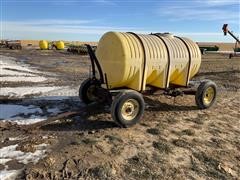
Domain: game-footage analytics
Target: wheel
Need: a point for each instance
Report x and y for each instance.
(206, 94)
(86, 91)
(127, 108)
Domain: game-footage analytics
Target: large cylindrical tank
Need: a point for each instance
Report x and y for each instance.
(60, 45)
(136, 60)
(43, 44)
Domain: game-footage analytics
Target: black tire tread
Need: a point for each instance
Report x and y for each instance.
(83, 91)
(200, 91)
(118, 100)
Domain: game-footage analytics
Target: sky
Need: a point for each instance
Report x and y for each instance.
(88, 20)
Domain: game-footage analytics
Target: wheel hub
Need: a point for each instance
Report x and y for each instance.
(208, 95)
(130, 109)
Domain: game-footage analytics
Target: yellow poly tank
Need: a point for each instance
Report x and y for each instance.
(136, 60)
(43, 45)
(60, 45)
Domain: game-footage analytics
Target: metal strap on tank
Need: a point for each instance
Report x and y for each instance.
(169, 59)
(144, 57)
(190, 58)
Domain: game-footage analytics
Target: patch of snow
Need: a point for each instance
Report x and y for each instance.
(21, 121)
(33, 157)
(16, 113)
(54, 111)
(9, 111)
(9, 174)
(12, 71)
(23, 91)
(4, 161)
(10, 153)
(16, 68)
(15, 138)
(24, 115)
(6, 58)
(23, 79)
(11, 63)
(44, 137)
(44, 92)
(54, 98)
(64, 91)
(7, 72)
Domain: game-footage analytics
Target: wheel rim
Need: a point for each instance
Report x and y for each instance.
(130, 109)
(90, 91)
(208, 95)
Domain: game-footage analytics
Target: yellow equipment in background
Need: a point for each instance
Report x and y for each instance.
(59, 45)
(134, 61)
(43, 44)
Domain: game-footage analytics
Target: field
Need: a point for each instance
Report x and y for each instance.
(174, 140)
(222, 46)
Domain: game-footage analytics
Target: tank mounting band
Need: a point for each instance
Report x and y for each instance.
(190, 58)
(169, 59)
(144, 58)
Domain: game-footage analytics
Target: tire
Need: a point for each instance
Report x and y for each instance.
(206, 94)
(86, 91)
(127, 108)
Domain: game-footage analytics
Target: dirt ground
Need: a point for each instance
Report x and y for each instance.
(174, 140)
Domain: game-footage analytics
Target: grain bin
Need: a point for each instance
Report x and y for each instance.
(130, 65)
(60, 45)
(43, 44)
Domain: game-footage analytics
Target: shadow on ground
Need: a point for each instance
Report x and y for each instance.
(93, 117)
(155, 105)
